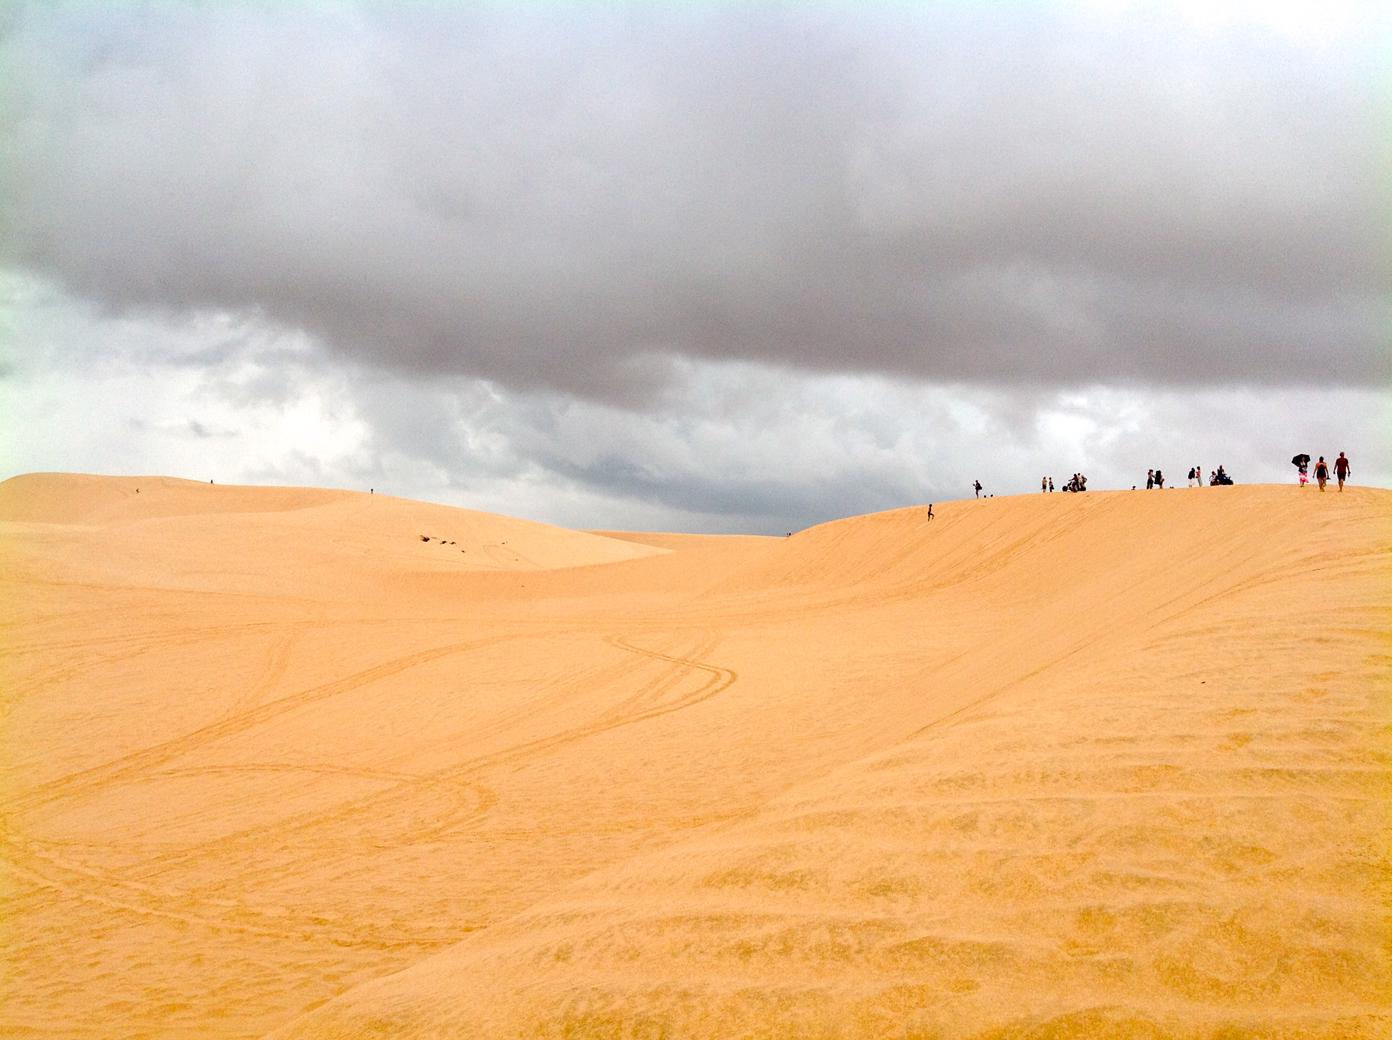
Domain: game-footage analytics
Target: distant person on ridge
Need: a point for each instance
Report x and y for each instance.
(930, 510)
(1341, 469)
(1044, 484)
(1051, 483)
(1149, 479)
(1322, 472)
(1159, 479)
(977, 485)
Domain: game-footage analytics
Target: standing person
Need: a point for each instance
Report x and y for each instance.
(1149, 479)
(1322, 472)
(1044, 484)
(1341, 469)
(1301, 463)
(976, 485)
(1051, 483)
(1192, 471)
(1159, 479)
(1198, 476)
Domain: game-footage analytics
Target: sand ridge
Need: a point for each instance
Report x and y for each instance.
(1111, 764)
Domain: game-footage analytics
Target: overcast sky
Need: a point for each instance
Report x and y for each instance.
(697, 266)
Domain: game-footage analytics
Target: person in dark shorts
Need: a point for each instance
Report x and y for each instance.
(1149, 479)
(930, 510)
(977, 485)
(1341, 469)
(1321, 472)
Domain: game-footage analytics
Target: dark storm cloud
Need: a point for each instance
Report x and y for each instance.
(577, 199)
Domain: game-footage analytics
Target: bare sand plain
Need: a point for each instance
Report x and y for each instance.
(1103, 765)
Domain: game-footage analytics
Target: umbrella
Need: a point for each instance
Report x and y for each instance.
(1300, 460)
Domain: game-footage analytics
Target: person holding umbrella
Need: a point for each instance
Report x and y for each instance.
(1302, 463)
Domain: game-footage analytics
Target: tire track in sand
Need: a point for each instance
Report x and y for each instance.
(46, 871)
(145, 759)
(377, 804)
(43, 868)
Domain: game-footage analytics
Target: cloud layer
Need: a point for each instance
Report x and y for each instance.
(728, 446)
(588, 200)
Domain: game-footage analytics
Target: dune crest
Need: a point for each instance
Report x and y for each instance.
(1057, 766)
(189, 534)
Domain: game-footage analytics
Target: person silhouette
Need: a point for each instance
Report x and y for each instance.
(1341, 469)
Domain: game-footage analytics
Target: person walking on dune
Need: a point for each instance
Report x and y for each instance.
(1149, 479)
(1341, 469)
(930, 510)
(1044, 485)
(1321, 472)
(976, 484)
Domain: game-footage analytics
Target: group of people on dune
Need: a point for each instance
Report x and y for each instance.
(1302, 465)
(1154, 478)
(1076, 483)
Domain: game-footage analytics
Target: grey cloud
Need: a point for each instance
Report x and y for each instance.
(183, 427)
(729, 447)
(205, 432)
(579, 200)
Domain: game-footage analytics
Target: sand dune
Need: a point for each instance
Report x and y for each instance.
(1111, 765)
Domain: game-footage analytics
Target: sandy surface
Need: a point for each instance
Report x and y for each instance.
(322, 764)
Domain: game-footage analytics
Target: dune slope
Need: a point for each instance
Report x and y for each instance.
(1113, 764)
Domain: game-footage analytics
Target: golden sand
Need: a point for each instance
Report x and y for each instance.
(322, 764)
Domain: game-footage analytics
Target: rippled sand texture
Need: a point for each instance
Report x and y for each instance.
(322, 764)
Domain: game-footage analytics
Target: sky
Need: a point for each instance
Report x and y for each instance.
(698, 266)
